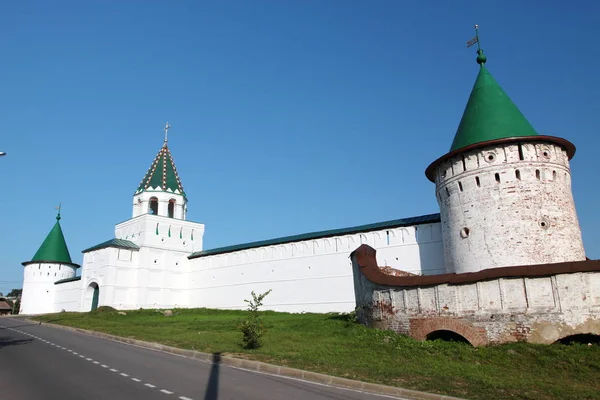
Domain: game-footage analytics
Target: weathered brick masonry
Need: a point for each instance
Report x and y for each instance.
(534, 303)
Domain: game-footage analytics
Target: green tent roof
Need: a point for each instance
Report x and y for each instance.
(54, 248)
(162, 174)
(490, 114)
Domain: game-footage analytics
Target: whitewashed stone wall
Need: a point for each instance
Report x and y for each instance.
(67, 296)
(508, 205)
(309, 276)
(38, 286)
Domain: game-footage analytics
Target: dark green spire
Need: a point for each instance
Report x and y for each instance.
(54, 248)
(490, 114)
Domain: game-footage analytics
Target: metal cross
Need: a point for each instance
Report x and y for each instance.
(167, 126)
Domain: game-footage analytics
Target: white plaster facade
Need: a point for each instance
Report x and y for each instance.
(305, 276)
(309, 275)
(38, 285)
(508, 204)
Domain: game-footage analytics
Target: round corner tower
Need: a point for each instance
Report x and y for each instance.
(51, 263)
(504, 191)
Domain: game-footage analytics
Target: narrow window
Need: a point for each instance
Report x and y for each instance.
(447, 192)
(171, 208)
(464, 163)
(387, 234)
(553, 175)
(460, 186)
(521, 152)
(537, 174)
(59, 267)
(153, 206)
(518, 174)
(497, 175)
(477, 181)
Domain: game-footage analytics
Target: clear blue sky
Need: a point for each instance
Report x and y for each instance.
(287, 116)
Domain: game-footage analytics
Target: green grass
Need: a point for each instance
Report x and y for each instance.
(331, 344)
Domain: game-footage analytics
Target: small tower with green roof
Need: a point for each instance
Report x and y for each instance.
(160, 192)
(504, 190)
(50, 263)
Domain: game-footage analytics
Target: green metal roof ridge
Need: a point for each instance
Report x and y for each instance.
(75, 278)
(118, 243)
(162, 173)
(423, 219)
(489, 114)
(54, 247)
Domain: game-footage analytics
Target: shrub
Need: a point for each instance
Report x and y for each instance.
(253, 328)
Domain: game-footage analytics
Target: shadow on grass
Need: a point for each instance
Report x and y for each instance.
(347, 317)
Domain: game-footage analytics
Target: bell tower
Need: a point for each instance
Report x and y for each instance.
(161, 192)
(159, 217)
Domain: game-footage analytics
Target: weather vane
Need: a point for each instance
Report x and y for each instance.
(58, 208)
(167, 126)
(481, 59)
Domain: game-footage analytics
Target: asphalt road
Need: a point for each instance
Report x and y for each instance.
(39, 362)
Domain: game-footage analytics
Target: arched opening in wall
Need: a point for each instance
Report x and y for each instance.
(582, 338)
(92, 296)
(477, 181)
(497, 176)
(537, 174)
(171, 208)
(553, 175)
(460, 186)
(518, 174)
(153, 206)
(447, 336)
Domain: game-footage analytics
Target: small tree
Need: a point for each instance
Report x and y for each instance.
(252, 328)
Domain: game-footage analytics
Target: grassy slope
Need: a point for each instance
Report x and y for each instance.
(332, 345)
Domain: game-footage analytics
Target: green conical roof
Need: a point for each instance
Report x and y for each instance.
(162, 174)
(490, 114)
(54, 248)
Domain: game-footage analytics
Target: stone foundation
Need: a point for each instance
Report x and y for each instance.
(536, 303)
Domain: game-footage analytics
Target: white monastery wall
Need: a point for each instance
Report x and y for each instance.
(38, 286)
(67, 296)
(508, 205)
(312, 275)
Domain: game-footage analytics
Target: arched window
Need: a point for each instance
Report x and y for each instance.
(171, 208)
(153, 206)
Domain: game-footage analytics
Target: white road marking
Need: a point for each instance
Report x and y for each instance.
(165, 391)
